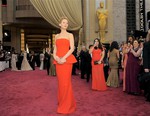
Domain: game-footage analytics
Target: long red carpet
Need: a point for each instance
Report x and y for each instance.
(33, 93)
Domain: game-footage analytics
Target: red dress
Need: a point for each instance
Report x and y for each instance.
(66, 101)
(98, 79)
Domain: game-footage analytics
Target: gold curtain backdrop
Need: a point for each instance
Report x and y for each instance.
(52, 10)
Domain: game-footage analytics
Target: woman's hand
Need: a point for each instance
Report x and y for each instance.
(131, 50)
(57, 59)
(61, 61)
(146, 70)
(122, 64)
(99, 62)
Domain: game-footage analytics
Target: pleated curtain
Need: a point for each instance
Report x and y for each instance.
(53, 10)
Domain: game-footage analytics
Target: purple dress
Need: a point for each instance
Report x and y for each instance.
(132, 71)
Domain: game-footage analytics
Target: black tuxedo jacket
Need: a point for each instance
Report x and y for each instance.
(146, 55)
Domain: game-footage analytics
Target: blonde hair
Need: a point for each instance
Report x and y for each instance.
(62, 18)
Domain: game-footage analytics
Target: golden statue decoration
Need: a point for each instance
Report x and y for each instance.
(102, 15)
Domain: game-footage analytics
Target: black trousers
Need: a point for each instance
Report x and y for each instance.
(106, 68)
(47, 68)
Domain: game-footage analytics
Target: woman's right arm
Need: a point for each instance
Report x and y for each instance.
(118, 54)
(91, 49)
(54, 51)
(108, 54)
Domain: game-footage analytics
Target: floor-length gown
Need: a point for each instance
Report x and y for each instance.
(66, 101)
(98, 79)
(25, 66)
(13, 62)
(113, 79)
(41, 61)
(132, 71)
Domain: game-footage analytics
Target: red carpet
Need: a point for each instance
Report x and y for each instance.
(33, 93)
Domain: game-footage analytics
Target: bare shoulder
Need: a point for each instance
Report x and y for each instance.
(70, 36)
(56, 36)
(117, 50)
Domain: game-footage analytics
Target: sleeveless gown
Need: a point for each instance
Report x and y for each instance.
(13, 62)
(132, 70)
(98, 79)
(66, 101)
(113, 79)
(25, 66)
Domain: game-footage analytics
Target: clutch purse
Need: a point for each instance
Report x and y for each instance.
(95, 62)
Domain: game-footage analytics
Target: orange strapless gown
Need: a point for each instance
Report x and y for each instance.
(66, 101)
(98, 79)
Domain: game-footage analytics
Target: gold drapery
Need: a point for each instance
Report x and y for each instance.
(53, 10)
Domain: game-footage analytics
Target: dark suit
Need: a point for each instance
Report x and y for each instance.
(83, 63)
(32, 61)
(146, 65)
(106, 65)
(19, 62)
(146, 55)
(86, 67)
(47, 62)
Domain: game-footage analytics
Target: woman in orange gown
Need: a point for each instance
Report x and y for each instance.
(98, 79)
(63, 58)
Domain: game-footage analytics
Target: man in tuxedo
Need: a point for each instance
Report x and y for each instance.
(83, 55)
(32, 60)
(47, 60)
(19, 61)
(86, 67)
(106, 64)
(146, 64)
(88, 64)
(146, 53)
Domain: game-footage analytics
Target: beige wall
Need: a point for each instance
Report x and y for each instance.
(10, 11)
(15, 37)
(119, 20)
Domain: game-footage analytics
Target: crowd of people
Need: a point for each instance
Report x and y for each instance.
(130, 58)
(28, 61)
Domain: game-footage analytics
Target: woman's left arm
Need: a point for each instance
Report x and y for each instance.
(71, 39)
(118, 54)
(136, 54)
(102, 57)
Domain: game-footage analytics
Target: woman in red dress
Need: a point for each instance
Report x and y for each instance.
(98, 79)
(63, 58)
